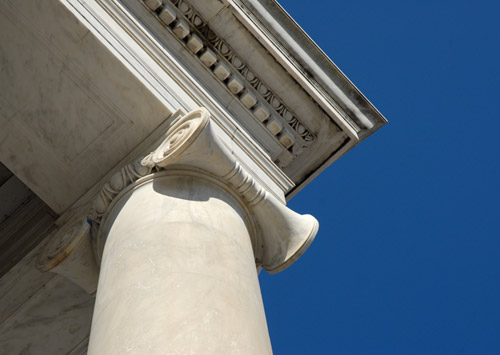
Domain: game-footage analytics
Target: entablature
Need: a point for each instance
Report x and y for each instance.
(262, 70)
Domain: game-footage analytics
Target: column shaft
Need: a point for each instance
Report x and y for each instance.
(178, 273)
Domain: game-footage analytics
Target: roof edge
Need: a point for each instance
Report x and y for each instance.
(316, 69)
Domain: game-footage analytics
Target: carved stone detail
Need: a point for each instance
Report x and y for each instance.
(69, 253)
(191, 142)
(121, 179)
(279, 235)
(230, 69)
(245, 184)
(118, 181)
(283, 235)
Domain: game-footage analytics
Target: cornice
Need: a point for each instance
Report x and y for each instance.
(309, 65)
(115, 23)
(183, 52)
(230, 69)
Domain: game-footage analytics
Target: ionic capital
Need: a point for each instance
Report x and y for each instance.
(69, 253)
(280, 235)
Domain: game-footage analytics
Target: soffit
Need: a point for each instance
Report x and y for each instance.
(24, 220)
(69, 109)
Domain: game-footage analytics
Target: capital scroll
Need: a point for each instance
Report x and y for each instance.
(280, 238)
(283, 235)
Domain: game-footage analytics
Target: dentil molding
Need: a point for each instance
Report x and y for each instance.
(232, 71)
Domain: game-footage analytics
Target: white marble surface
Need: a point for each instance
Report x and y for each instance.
(178, 274)
(191, 222)
(20, 283)
(69, 109)
(53, 321)
(74, 103)
(282, 235)
(69, 253)
(42, 313)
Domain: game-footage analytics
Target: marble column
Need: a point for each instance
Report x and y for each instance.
(180, 236)
(178, 273)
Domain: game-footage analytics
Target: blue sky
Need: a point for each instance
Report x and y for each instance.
(407, 257)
